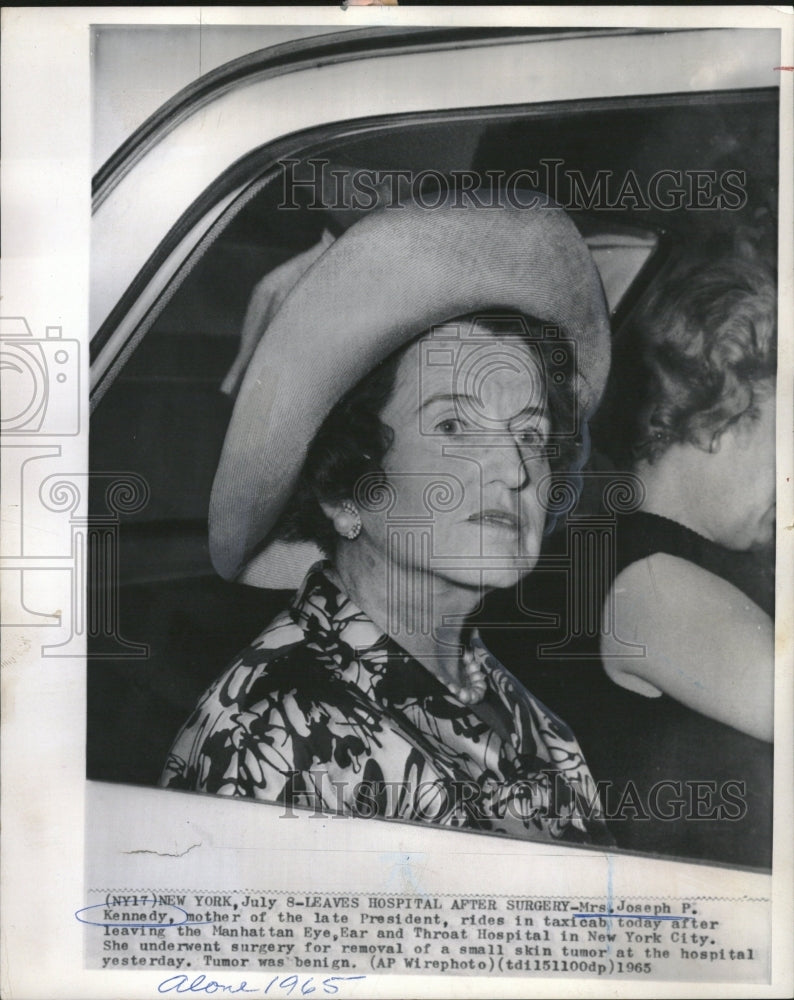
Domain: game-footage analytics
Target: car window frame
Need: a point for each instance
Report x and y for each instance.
(184, 245)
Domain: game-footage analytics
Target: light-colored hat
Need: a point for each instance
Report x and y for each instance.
(389, 278)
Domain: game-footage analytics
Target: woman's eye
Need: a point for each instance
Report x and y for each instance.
(532, 436)
(450, 426)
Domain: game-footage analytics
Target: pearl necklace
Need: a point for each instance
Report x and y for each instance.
(474, 686)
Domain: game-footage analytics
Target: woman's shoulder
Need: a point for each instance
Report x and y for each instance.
(662, 583)
(271, 685)
(263, 670)
(672, 627)
(639, 535)
(670, 605)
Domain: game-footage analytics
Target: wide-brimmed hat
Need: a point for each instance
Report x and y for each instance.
(390, 277)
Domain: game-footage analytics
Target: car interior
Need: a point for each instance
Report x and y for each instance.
(164, 416)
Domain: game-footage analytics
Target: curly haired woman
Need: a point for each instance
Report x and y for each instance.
(672, 698)
(706, 458)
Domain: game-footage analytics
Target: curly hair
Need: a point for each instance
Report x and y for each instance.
(353, 440)
(708, 334)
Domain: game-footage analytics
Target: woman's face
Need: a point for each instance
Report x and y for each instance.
(470, 429)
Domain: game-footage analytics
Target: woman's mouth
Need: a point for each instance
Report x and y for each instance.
(496, 518)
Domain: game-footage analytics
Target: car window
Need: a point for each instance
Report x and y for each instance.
(162, 414)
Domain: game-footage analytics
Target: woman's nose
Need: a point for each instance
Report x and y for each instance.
(507, 462)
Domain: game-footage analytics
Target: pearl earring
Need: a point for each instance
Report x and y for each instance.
(348, 521)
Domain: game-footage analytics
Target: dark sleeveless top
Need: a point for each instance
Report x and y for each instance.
(672, 780)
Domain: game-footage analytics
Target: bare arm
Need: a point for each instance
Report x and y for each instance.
(707, 644)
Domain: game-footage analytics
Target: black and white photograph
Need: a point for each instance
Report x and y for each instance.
(410, 465)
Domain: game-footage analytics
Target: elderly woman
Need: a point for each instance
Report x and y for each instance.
(678, 723)
(388, 454)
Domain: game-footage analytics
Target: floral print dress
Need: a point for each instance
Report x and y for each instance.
(325, 711)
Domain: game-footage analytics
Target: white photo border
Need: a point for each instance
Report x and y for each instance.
(47, 166)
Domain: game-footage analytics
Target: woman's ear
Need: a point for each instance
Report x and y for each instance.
(330, 509)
